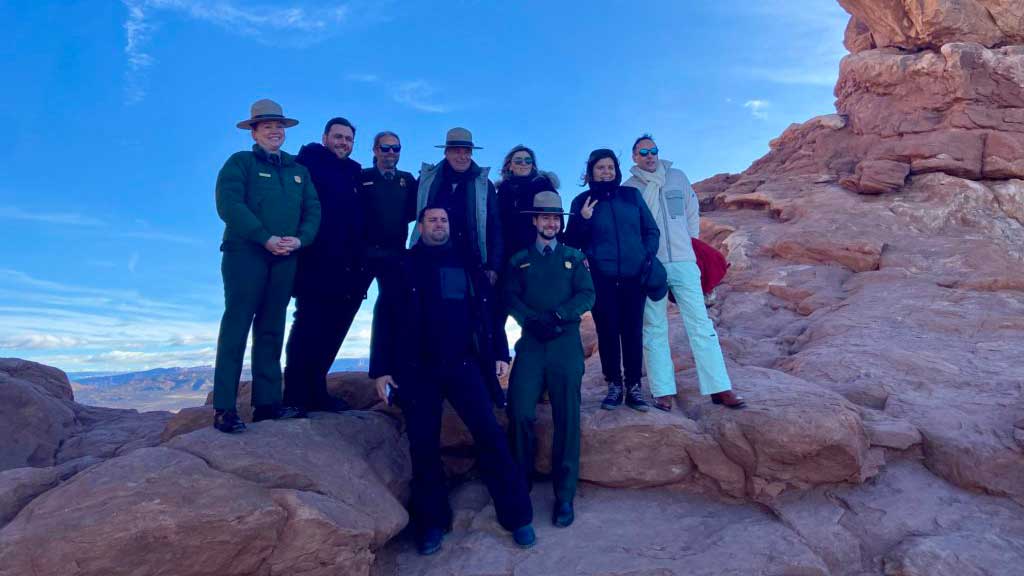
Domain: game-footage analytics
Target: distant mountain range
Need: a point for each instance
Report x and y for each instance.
(163, 388)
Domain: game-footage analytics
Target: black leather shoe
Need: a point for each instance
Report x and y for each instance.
(635, 398)
(614, 398)
(524, 536)
(228, 421)
(562, 515)
(332, 404)
(276, 412)
(430, 541)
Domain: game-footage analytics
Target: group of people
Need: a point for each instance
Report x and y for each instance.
(318, 227)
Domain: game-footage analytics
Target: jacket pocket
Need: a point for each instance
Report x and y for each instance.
(675, 200)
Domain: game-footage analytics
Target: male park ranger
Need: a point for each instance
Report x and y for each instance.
(548, 288)
(270, 210)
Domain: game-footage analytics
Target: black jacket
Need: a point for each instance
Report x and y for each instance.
(338, 251)
(407, 331)
(515, 194)
(387, 215)
(620, 236)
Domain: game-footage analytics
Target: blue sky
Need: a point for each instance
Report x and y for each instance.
(122, 113)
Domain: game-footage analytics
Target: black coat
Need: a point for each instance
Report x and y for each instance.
(621, 235)
(515, 194)
(337, 254)
(399, 345)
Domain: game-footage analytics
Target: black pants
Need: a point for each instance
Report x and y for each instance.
(619, 319)
(420, 398)
(321, 323)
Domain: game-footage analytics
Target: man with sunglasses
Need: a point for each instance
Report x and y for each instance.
(669, 195)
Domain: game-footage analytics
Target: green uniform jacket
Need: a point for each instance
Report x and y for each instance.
(257, 199)
(535, 285)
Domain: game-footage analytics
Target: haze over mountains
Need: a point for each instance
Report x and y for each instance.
(163, 388)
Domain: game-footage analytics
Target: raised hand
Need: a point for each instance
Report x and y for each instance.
(588, 208)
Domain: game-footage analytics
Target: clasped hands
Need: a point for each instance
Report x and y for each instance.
(282, 246)
(545, 326)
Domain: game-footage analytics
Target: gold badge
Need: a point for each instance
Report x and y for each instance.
(568, 264)
(298, 179)
(264, 174)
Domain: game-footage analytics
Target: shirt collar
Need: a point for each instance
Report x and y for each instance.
(540, 245)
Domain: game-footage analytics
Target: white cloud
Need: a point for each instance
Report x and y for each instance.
(301, 26)
(65, 218)
(418, 94)
(39, 342)
(757, 108)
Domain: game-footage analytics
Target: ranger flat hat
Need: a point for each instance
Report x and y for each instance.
(459, 138)
(264, 110)
(546, 203)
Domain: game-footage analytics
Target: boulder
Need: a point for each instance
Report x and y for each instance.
(36, 413)
(314, 496)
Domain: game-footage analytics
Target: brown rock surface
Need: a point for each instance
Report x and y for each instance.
(930, 23)
(313, 496)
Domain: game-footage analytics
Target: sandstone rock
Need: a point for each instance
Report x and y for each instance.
(793, 434)
(356, 388)
(36, 415)
(880, 176)
(955, 555)
(1004, 155)
(616, 533)
(915, 24)
(888, 433)
(857, 37)
(188, 420)
(313, 496)
(107, 432)
(149, 511)
(19, 486)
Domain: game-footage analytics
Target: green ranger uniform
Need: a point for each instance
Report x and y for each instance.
(258, 196)
(536, 286)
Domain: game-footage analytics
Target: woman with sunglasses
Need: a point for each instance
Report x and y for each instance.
(613, 226)
(520, 182)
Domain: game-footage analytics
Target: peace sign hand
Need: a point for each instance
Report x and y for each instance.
(588, 208)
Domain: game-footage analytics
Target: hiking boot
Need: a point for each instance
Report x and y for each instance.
(614, 397)
(635, 398)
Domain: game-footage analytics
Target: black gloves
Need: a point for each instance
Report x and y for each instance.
(546, 326)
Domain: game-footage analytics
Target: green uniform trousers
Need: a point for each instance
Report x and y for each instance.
(556, 365)
(257, 288)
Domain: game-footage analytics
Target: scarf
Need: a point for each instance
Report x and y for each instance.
(654, 181)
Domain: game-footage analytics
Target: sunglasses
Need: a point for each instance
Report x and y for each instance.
(522, 161)
(646, 151)
(385, 148)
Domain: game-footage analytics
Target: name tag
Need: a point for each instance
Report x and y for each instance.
(370, 183)
(526, 265)
(264, 174)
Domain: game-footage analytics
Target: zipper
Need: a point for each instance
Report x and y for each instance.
(664, 216)
(618, 245)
